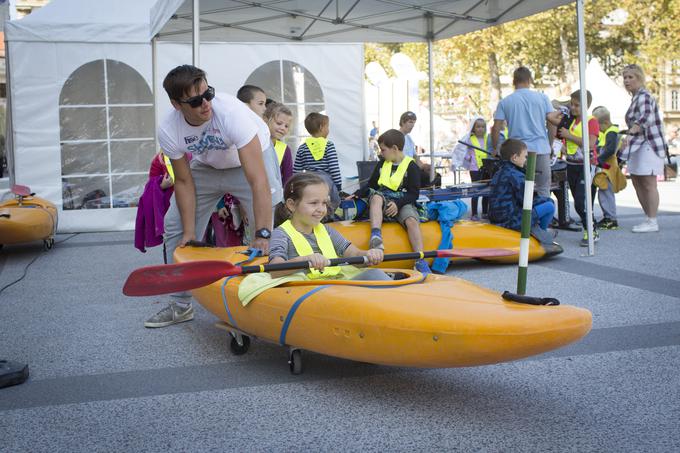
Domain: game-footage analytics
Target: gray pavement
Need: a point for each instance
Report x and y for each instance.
(100, 381)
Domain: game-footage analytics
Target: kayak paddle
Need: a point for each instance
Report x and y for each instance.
(171, 278)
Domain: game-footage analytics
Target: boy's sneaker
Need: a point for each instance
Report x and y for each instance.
(172, 314)
(376, 242)
(422, 267)
(584, 241)
(607, 224)
(648, 226)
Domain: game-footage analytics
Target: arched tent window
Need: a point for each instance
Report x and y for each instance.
(106, 121)
(295, 86)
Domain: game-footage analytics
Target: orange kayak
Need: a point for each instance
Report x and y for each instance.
(466, 234)
(27, 219)
(412, 321)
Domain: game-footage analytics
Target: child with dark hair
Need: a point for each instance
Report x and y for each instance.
(254, 97)
(575, 156)
(507, 194)
(393, 188)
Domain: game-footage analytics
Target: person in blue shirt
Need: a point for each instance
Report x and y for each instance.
(525, 112)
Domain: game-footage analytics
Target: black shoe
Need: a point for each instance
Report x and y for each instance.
(608, 224)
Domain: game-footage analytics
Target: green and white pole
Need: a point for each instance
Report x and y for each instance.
(526, 224)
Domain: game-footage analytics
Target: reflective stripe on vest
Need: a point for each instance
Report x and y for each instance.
(280, 148)
(478, 154)
(317, 146)
(394, 180)
(168, 165)
(303, 248)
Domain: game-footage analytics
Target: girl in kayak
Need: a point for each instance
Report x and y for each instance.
(302, 237)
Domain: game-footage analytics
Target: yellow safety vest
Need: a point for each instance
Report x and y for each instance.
(478, 154)
(303, 248)
(393, 181)
(280, 148)
(317, 146)
(573, 148)
(602, 138)
(168, 165)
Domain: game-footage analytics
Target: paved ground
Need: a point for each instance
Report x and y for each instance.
(101, 382)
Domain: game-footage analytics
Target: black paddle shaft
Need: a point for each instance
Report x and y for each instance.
(476, 147)
(334, 262)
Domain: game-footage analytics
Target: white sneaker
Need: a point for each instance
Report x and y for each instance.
(648, 226)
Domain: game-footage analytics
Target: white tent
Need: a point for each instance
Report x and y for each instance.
(77, 66)
(606, 92)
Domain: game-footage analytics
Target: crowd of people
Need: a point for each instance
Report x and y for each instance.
(224, 162)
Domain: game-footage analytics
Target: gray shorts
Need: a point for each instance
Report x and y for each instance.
(406, 211)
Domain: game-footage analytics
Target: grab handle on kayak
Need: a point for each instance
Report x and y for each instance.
(507, 295)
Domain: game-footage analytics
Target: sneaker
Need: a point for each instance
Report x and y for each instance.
(376, 242)
(648, 226)
(422, 267)
(607, 224)
(172, 314)
(474, 218)
(584, 241)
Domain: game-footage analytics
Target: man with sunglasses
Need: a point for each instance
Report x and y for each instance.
(226, 145)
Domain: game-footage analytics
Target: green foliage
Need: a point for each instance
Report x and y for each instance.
(463, 73)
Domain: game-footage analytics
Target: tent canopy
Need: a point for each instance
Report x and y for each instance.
(268, 20)
(346, 20)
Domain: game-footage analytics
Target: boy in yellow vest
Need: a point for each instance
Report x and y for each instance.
(318, 154)
(575, 155)
(394, 187)
(607, 147)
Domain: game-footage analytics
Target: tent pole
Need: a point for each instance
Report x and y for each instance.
(430, 94)
(154, 88)
(584, 123)
(196, 33)
(9, 120)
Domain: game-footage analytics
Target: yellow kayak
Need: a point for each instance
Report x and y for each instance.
(466, 234)
(413, 321)
(27, 218)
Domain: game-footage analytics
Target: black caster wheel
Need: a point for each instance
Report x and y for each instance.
(48, 243)
(295, 361)
(239, 349)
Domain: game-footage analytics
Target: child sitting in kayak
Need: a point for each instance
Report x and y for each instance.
(304, 238)
(507, 194)
(393, 189)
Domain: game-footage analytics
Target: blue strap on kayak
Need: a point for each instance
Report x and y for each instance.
(293, 309)
(252, 254)
(224, 301)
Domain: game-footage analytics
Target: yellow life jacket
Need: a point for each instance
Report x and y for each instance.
(280, 148)
(574, 152)
(602, 138)
(168, 165)
(317, 146)
(393, 181)
(303, 248)
(478, 154)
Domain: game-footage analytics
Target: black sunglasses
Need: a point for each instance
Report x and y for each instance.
(197, 101)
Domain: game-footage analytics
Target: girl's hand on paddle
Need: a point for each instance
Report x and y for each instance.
(375, 256)
(167, 181)
(391, 210)
(317, 261)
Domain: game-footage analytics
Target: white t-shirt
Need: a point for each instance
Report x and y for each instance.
(216, 142)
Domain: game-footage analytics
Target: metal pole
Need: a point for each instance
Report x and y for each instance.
(196, 33)
(154, 88)
(9, 118)
(430, 76)
(584, 123)
(527, 205)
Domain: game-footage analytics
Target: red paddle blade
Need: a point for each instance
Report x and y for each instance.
(474, 253)
(22, 191)
(171, 278)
